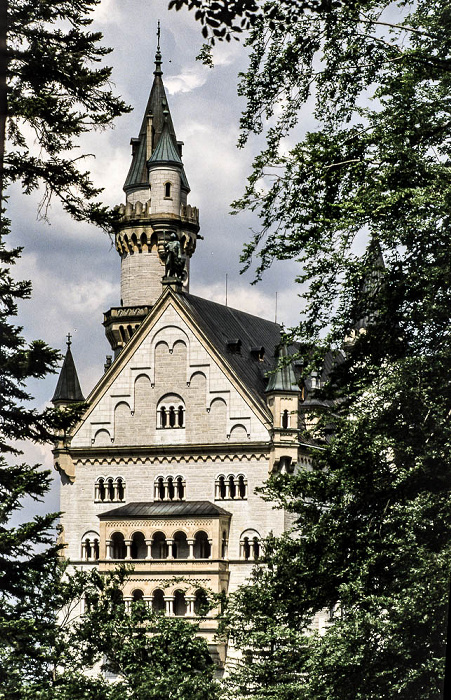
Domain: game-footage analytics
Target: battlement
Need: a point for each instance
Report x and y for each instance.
(129, 212)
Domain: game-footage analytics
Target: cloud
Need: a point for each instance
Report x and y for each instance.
(186, 81)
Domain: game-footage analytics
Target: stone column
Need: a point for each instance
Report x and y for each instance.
(241, 549)
(191, 548)
(83, 550)
(91, 551)
(149, 548)
(170, 542)
(190, 604)
(128, 602)
(166, 490)
(115, 491)
(108, 553)
(169, 600)
(147, 601)
(96, 492)
(210, 542)
(128, 544)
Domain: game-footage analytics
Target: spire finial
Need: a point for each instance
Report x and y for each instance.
(158, 70)
(69, 340)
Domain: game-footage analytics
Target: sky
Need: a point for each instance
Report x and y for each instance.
(74, 267)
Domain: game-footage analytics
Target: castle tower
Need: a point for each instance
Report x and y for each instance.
(156, 212)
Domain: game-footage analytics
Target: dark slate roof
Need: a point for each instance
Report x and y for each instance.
(283, 379)
(157, 105)
(166, 151)
(159, 509)
(222, 324)
(68, 388)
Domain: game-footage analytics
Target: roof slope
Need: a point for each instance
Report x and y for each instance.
(221, 324)
(173, 509)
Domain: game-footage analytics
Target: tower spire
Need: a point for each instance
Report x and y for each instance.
(158, 70)
(68, 388)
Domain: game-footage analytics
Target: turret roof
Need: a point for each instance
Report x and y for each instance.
(158, 108)
(68, 389)
(165, 151)
(283, 379)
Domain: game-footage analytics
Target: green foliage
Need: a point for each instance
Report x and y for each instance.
(56, 89)
(151, 655)
(372, 517)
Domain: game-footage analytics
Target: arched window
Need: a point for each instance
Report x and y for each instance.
(255, 547)
(179, 604)
(180, 488)
(167, 189)
(110, 490)
(242, 487)
(138, 595)
(200, 602)
(222, 487)
(232, 487)
(158, 602)
(159, 546)
(180, 547)
(246, 549)
(285, 419)
(139, 547)
(90, 546)
(171, 412)
(100, 489)
(163, 417)
(170, 488)
(120, 489)
(118, 547)
(202, 548)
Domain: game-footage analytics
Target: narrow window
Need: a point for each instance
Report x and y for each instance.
(232, 489)
(255, 548)
(101, 489)
(163, 417)
(246, 548)
(161, 488)
(241, 486)
(222, 487)
(285, 419)
(171, 488)
(180, 417)
(224, 546)
(120, 489)
(167, 189)
(96, 551)
(110, 490)
(158, 603)
(179, 604)
(172, 417)
(180, 489)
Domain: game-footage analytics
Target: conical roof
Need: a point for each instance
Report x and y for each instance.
(283, 379)
(68, 389)
(158, 108)
(165, 151)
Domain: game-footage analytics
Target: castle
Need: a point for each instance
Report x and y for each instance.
(190, 416)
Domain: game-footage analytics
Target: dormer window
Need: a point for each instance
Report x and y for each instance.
(167, 190)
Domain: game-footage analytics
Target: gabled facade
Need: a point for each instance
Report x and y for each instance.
(187, 420)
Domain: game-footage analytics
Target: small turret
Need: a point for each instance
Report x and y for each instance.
(68, 389)
(283, 397)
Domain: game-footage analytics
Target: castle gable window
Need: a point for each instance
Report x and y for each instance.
(171, 412)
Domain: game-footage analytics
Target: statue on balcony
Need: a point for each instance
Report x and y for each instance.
(174, 263)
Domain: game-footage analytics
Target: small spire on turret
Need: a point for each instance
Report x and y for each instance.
(158, 70)
(68, 389)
